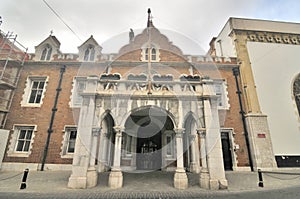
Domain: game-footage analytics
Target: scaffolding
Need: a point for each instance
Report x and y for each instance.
(12, 57)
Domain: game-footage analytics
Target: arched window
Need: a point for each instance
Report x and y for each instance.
(46, 54)
(147, 54)
(150, 52)
(153, 54)
(296, 92)
(89, 54)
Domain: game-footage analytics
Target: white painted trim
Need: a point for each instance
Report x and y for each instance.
(27, 91)
(14, 139)
(65, 141)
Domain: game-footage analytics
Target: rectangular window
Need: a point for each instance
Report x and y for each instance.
(24, 139)
(37, 88)
(219, 93)
(79, 87)
(71, 141)
(34, 91)
(220, 90)
(21, 140)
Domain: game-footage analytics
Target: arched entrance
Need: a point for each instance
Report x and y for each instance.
(149, 131)
(191, 145)
(107, 141)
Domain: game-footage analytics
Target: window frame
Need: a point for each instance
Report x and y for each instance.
(15, 139)
(223, 94)
(89, 54)
(23, 142)
(68, 129)
(145, 52)
(28, 91)
(36, 92)
(76, 98)
(46, 53)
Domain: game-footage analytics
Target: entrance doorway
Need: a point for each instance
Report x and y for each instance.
(148, 152)
(147, 127)
(227, 158)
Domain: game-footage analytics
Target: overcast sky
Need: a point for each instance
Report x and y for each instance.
(197, 20)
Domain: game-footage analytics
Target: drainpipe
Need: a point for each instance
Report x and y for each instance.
(54, 109)
(236, 72)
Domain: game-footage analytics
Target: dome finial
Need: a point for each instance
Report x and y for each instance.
(149, 22)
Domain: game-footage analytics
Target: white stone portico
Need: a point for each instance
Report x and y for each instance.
(129, 118)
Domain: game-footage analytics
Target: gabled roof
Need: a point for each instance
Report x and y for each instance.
(91, 38)
(51, 39)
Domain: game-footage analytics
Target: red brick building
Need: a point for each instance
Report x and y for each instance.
(147, 107)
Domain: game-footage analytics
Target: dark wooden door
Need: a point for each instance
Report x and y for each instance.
(227, 158)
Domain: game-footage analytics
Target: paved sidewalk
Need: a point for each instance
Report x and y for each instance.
(53, 184)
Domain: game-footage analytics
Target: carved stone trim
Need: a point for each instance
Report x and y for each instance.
(96, 131)
(271, 37)
(201, 132)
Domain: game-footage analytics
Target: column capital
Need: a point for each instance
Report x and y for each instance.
(96, 131)
(201, 132)
(192, 136)
(179, 130)
(104, 133)
(119, 130)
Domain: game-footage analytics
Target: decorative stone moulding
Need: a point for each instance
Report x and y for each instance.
(270, 37)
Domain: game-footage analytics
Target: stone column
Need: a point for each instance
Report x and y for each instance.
(92, 174)
(81, 158)
(195, 167)
(180, 177)
(102, 152)
(213, 145)
(79, 178)
(116, 177)
(204, 175)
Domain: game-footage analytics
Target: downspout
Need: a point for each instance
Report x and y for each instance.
(236, 72)
(54, 109)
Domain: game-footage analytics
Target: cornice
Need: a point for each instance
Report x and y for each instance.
(269, 37)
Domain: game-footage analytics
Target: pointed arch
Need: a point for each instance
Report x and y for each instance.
(192, 115)
(89, 53)
(46, 53)
(296, 92)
